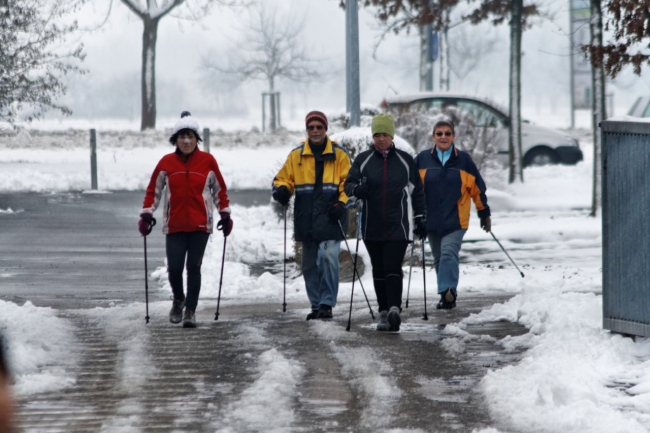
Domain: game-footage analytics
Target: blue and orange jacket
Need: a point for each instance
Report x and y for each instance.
(448, 190)
(189, 188)
(311, 220)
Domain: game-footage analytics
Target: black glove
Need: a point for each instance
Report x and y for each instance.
(146, 223)
(225, 223)
(282, 195)
(420, 228)
(361, 191)
(337, 211)
(486, 224)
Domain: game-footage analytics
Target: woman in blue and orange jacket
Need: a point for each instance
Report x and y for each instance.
(190, 183)
(451, 180)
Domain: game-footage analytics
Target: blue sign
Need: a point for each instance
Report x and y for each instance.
(434, 46)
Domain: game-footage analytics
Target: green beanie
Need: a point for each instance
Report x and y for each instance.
(383, 123)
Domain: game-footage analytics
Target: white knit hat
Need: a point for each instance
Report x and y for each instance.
(187, 122)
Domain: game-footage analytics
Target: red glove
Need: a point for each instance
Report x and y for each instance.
(146, 223)
(225, 223)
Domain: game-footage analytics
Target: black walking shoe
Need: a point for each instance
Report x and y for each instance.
(383, 325)
(189, 319)
(447, 300)
(313, 315)
(176, 313)
(324, 312)
(393, 319)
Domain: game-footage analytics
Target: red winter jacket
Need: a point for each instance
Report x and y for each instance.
(193, 185)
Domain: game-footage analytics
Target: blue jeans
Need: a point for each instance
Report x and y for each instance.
(445, 258)
(320, 268)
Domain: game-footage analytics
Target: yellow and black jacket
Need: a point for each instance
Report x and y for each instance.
(314, 197)
(449, 189)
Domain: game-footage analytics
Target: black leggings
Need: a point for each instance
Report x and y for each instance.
(179, 246)
(386, 259)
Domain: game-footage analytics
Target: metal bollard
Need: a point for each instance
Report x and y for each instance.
(93, 159)
(206, 139)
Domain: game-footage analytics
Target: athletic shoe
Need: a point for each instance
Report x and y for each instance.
(383, 321)
(393, 319)
(176, 313)
(313, 315)
(189, 319)
(324, 312)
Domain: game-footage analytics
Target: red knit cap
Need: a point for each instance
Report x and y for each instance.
(316, 115)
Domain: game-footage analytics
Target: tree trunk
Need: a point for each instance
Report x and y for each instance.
(514, 142)
(424, 57)
(148, 82)
(272, 103)
(598, 100)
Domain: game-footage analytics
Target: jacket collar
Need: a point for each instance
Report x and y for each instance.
(391, 150)
(454, 152)
(329, 147)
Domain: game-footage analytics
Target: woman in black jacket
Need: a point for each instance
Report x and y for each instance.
(386, 179)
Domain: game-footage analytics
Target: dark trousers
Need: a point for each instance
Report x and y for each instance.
(386, 259)
(185, 250)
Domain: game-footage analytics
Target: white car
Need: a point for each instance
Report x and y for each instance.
(540, 145)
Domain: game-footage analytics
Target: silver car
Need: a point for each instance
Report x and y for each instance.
(540, 145)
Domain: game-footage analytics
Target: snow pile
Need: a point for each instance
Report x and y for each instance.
(42, 355)
(575, 376)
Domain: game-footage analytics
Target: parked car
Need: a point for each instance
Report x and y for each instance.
(641, 107)
(540, 145)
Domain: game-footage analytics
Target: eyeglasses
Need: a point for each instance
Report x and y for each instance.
(318, 127)
(446, 134)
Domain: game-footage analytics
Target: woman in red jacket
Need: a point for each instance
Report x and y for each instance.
(190, 183)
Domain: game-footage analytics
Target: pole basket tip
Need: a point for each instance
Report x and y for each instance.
(216, 316)
(425, 317)
(522, 274)
(146, 319)
(348, 328)
(284, 308)
(407, 304)
(373, 315)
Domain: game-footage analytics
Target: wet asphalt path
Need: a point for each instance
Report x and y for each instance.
(76, 251)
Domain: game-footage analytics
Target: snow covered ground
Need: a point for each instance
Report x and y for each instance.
(574, 376)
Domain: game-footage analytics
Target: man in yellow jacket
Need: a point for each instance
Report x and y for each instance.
(316, 171)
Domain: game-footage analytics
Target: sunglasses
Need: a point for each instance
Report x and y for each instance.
(446, 134)
(318, 127)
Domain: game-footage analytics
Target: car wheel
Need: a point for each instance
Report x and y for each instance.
(540, 156)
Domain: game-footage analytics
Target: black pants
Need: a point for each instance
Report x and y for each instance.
(386, 259)
(185, 249)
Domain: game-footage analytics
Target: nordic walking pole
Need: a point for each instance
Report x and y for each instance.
(355, 270)
(504, 250)
(408, 288)
(146, 272)
(223, 260)
(146, 282)
(424, 279)
(284, 298)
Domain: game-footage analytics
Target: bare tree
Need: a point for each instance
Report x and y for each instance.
(271, 48)
(468, 50)
(598, 109)
(407, 13)
(150, 13)
(33, 56)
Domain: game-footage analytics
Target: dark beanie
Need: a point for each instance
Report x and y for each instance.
(316, 115)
